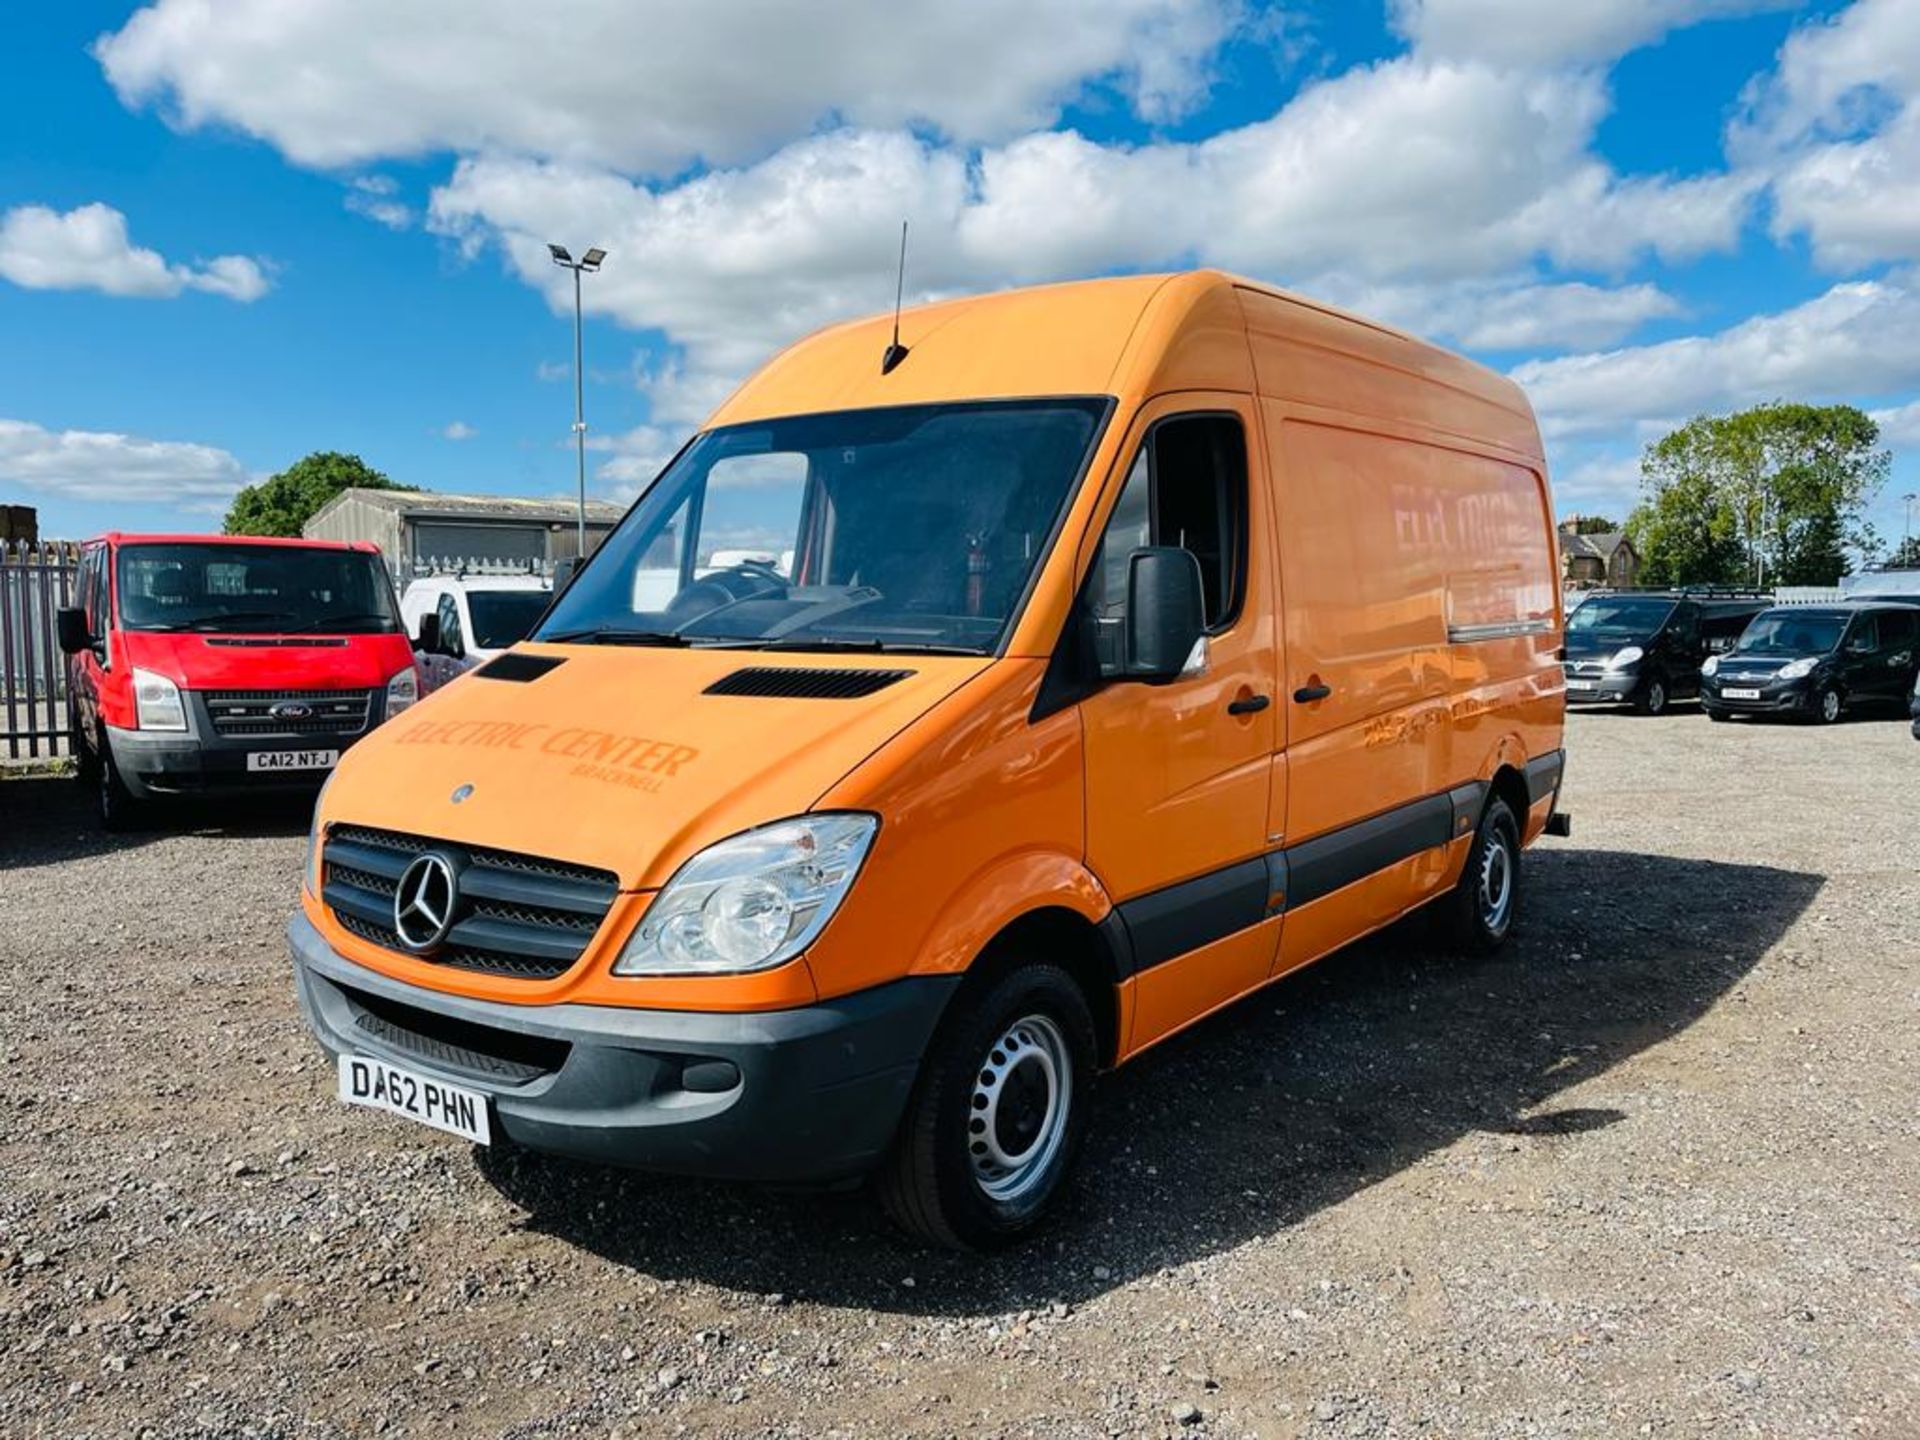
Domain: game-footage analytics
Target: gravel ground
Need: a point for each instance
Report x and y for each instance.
(1652, 1171)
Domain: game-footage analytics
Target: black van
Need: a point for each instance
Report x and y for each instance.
(1816, 661)
(1644, 648)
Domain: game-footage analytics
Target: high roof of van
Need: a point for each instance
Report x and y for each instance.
(1134, 336)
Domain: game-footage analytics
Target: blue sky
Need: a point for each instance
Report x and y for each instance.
(234, 233)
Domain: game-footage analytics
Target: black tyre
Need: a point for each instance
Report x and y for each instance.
(1479, 915)
(1653, 698)
(998, 1114)
(119, 809)
(1827, 706)
(86, 761)
(1720, 716)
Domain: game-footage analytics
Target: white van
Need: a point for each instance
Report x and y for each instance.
(459, 621)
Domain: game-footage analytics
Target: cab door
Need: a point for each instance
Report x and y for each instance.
(1177, 775)
(86, 672)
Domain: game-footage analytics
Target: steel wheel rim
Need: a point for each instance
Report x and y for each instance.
(1657, 698)
(1496, 883)
(1017, 1113)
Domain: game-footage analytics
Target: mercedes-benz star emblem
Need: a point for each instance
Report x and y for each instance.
(423, 902)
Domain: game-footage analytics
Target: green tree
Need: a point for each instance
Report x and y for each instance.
(281, 504)
(1906, 555)
(1776, 494)
(1594, 525)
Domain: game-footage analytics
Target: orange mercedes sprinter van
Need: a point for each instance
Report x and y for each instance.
(940, 729)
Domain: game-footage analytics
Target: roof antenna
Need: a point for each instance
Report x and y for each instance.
(896, 352)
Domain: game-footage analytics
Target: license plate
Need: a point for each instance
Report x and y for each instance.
(293, 760)
(1732, 693)
(380, 1086)
(1581, 684)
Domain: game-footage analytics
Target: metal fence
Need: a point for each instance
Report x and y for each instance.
(35, 582)
(424, 566)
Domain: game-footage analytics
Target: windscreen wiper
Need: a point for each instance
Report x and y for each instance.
(327, 622)
(608, 635)
(214, 623)
(865, 647)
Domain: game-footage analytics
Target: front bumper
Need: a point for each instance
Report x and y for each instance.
(201, 761)
(809, 1095)
(1607, 687)
(1794, 697)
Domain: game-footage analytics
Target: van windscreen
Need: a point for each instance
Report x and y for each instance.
(910, 528)
(259, 589)
(1634, 616)
(1791, 632)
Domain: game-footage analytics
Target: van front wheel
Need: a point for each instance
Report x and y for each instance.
(998, 1114)
(1479, 915)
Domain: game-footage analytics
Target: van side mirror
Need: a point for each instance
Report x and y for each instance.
(1166, 612)
(563, 571)
(427, 641)
(71, 626)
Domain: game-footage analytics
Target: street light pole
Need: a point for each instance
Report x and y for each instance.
(586, 263)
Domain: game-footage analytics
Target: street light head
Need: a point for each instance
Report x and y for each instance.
(560, 255)
(593, 258)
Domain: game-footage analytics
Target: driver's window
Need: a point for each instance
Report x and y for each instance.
(1686, 625)
(752, 512)
(452, 642)
(1187, 487)
(1865, 638)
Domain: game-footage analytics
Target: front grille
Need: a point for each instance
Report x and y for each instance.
(1586, 669)
(512, 1056)
(252, 712)
(522, 916)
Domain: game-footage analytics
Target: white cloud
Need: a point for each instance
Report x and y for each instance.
(1899, 425)
(100, 465)
(1510, 314)
(373, 197)
(1544, 33)
(647, 88)
(88, 248)
(1377, 179)
(1857, 339)
(458, 430)
(1837, 128)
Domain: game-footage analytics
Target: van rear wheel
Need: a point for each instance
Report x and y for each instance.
(1480, 913)
(999, 1112)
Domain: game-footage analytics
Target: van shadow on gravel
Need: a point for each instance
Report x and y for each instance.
(50, 820)
(1287, 1103)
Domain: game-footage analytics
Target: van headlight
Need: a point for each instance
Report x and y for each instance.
(1798, 669)
(1622, 658)
(402, 690)
(753, 901)
(314, 833)
(156, 702)
(1712, 667)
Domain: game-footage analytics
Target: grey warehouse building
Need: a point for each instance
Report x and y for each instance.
(415, 526)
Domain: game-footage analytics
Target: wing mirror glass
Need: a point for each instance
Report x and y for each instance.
(71, 625)
(1166, 614)
(427, 641)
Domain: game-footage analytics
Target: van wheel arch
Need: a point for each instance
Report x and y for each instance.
(1511, 786)
(1067, 939)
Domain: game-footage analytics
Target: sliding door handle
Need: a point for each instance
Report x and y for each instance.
(1249, 704)
(1307, 694)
